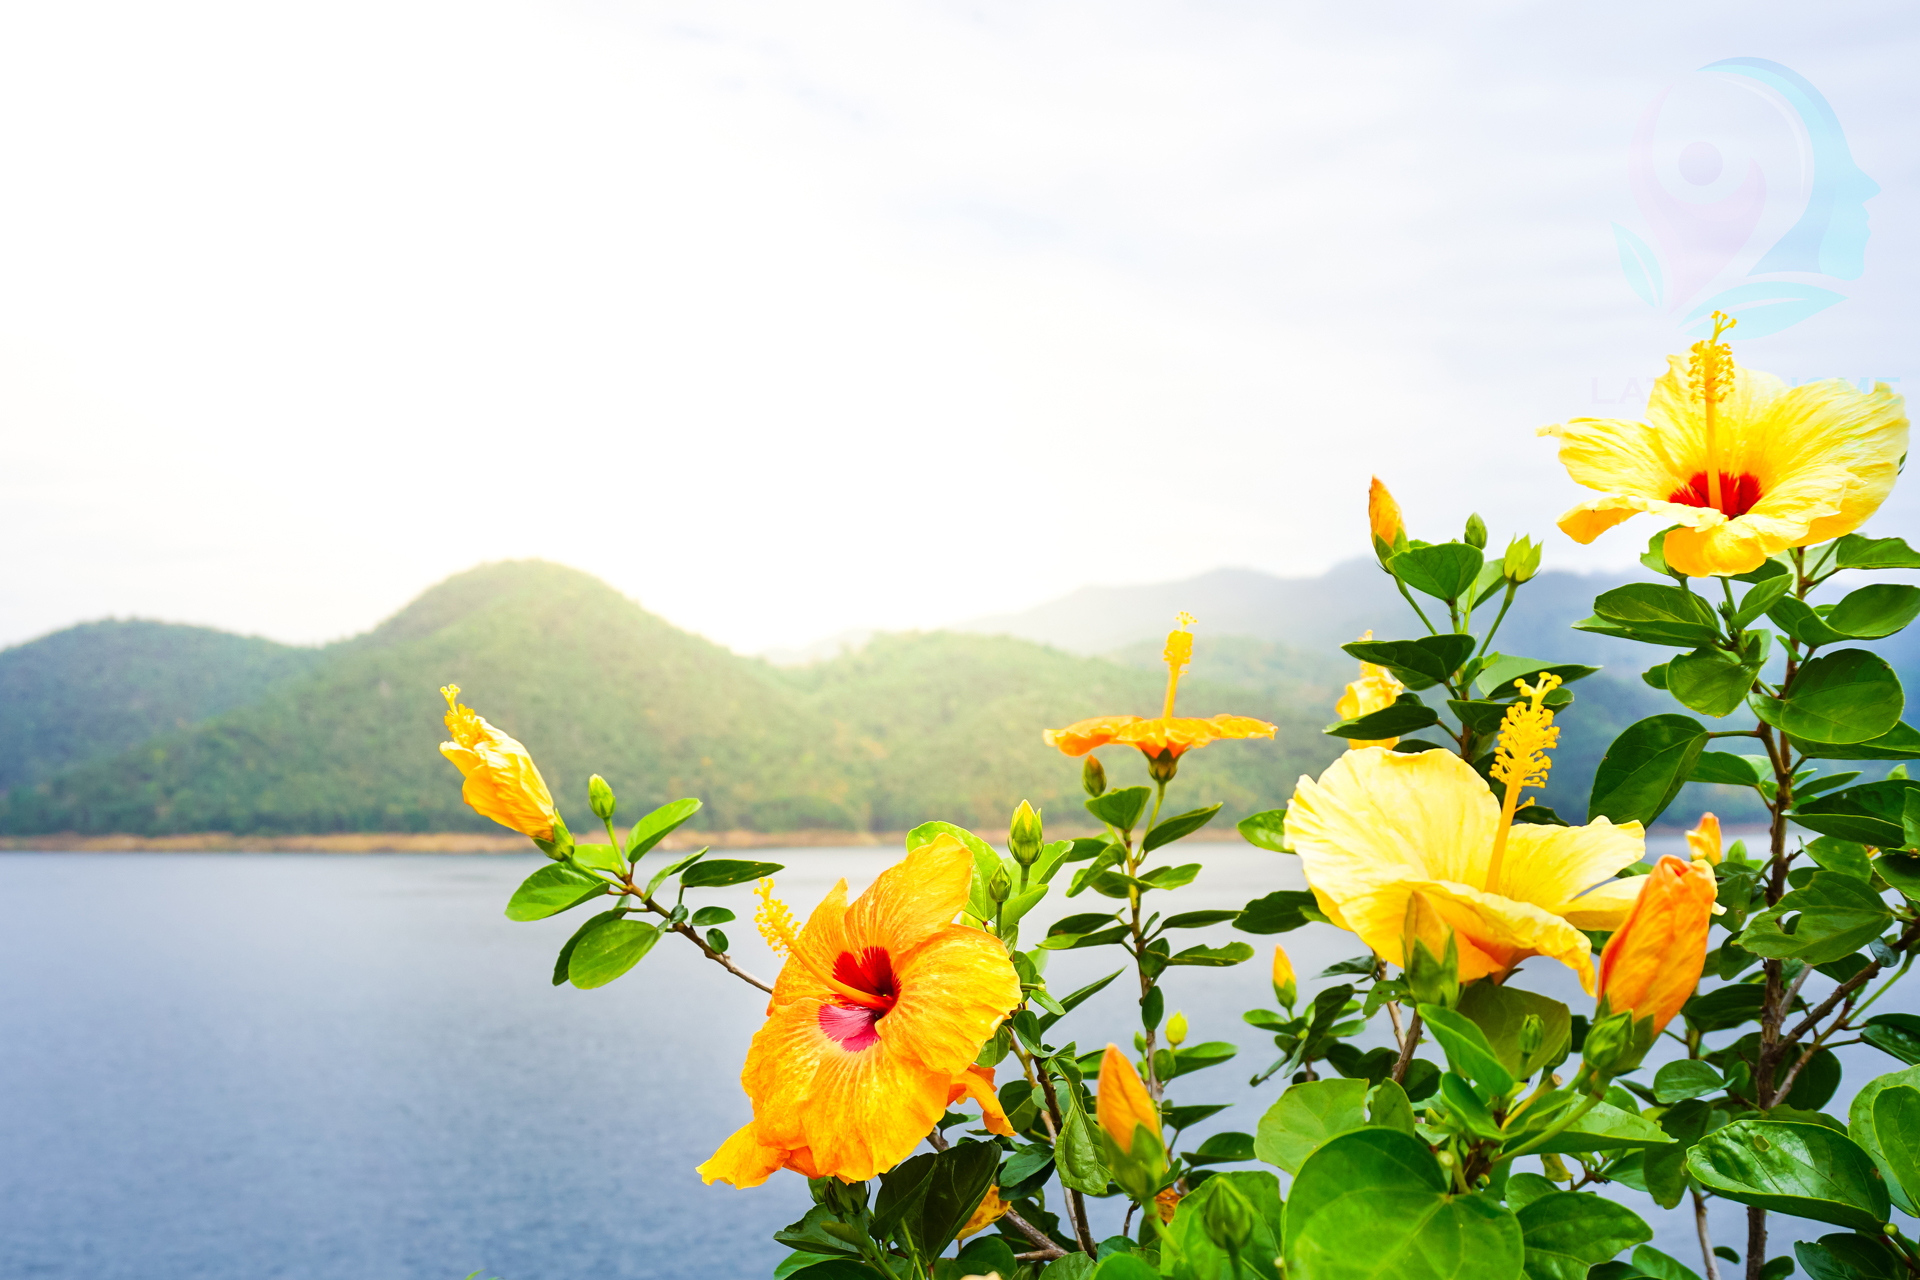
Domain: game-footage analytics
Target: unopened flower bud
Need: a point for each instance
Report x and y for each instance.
(1476, 532)
(1609, 1048)
(1023, 836)
(1093, 776)
(600, 797)
(1162, 767)
(1430, 954)
(1532, 1032)
(1383, 516)
(1177, 1029)
(1228, 1219)
(1522, 560)
(1285, 989)
(1000, 888)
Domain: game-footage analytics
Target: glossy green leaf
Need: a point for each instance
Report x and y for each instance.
(1402, 716)
(1177, 827)
(927, 1199)
(1874, 814)
(1897, 1034)
(552, 889)
(1445, 571)
(1121, 1266)
(1122, 808)
(1901, 870)
(1265, 830)
(711, 915)
(565, 957)
(1222, 1148)
(1214, 957)
(1836, 916)
(658, 825)
(1902, 742)
(1198, 1057)
(1567, 1232)
(1389, 1108)
(1875, 611)
(1645, 768)
(1797, 618)
(605, 953)
(717, 872)
(1861, 1127)
(1710, 681)
(1077, 1153)
(1496, 678)
(1761, 597)
(1657, 613)
(1896, 1123)
(1605, 1128)
(1812, 1088)
(1724, 1007)
(1374, 1205)
(1805, 1170)
(1685, 1078)
(1281, 911)
(1843, 857)
(1853, 1257)
(1724, 767)
(1306, 1117)
(1858, 552)
(1467, 1049)
(598, 857)
(1500, 1011)
(1418, 664)
(1848, 696)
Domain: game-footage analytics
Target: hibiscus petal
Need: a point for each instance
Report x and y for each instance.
(912, 899)
(955, 989)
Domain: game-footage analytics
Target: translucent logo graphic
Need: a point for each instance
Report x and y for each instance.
(1751, 200)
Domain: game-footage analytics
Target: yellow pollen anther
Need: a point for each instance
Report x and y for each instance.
(1710, 377)
(462, 723)
(1177, 654)
(1526, 735)
(774, 919)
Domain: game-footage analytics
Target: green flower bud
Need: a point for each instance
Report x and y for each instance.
(1476, 532)
(1177, 1029)
(1532, 1032)
(1522, 560)
(1162, 767)
(1000, 888)
(1228, 1219)
(1433, 979)
(1023, 836)
(600, 797)
(1609, 1050)
(1093, 776)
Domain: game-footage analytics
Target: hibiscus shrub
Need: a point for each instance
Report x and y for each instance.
(1463, 1147)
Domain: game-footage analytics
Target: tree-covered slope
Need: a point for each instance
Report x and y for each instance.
(103, 687)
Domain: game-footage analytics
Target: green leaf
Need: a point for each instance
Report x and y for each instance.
(711, 915)
(1174, 828)
(1077, 1155)
(1265, 830)
(1214, 957)
(1445, 571)
(1855, 1257)
(1860, 1126)
(1122, 1266)
(609, 951)
(1222, 1148)
(1726, 768)
(1188, 1251)
(1501, 1011)
(1902, 742)
(1896, 1122)
(1685, 1078)
(659, 824)
(1122, 808)
(1710, 681)
(1901, 870)
(1075, 1266)
(665, 873)
(565, 957)
(1652, 1264)
(1875, 611)
(1306, 1117)
(1805, 1170)
(1656, 613)
(717, 872)
(1466, 1048)
(1418, 664)
(1388, 1107)
(1724, 1007)
(929, 1198)
(1843, 857)
(1198, 1057)
(1568, 1231)
(1496, 678)
(1761, 597)
(1844, 697)
(1857, 552)
(552, 889)
(1874, 814)
(1402, 716)
(1645, 768)
(1797, 618)
(1281, 911)
(1894, 1033)
(598, 857)
(1605, 1128)
(1198, 919)
(1169, 877)
(1374, 1205)
(1837, 916)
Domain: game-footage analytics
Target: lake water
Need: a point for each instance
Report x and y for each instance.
(234, 1067)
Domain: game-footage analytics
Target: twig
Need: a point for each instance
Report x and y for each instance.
(1407, 1046)
(687, 931)
(1706, 1241)
(1851, 985)
(1076, 1207)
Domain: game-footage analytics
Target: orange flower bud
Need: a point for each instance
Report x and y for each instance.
(1123, 1104)
(1704, 840)
(1652, 963)
(1285, 990)
(1383, 513)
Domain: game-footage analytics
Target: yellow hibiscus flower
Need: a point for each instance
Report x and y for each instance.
(1375, 690)
(1746, 465)
(1381, 831)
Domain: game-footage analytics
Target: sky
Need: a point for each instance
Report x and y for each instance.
(792, 319)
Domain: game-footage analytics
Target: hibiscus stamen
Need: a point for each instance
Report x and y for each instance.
(1710, 375)
(1526, 735)
(776, 923)
(1177, 654)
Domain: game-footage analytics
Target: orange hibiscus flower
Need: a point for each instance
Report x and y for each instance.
(502, 781)
(1167, 738)
(876, 1019)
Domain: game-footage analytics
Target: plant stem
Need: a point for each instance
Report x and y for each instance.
(1711, 1263)
(1512, 589)
(1416, 608)
(1408, 1043)
(1076, 1207)
(689, 933)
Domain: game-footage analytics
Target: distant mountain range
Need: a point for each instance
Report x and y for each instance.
(151, 728)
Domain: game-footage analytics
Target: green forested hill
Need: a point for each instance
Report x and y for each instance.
(912, 727)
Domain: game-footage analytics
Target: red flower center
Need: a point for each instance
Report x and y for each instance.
(1738, 493)
(852, 1026)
